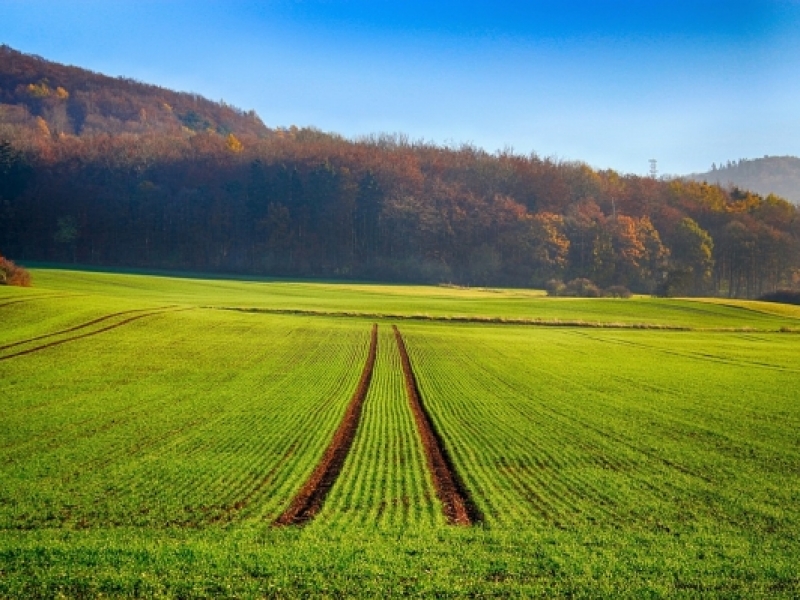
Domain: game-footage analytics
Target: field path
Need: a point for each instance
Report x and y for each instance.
(76, 327)
(40, 297)
(85, 335)
(456, 503)
(308, 501)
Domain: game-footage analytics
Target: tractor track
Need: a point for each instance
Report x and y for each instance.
(309, 500)
(81, 326)
(90, 333)
(457, 505)
(42, 297)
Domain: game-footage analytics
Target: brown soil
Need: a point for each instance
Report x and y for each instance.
(309, 500)
(89, 334)
(456, 503)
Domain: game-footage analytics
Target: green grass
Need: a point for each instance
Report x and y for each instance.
(384, 482)
(149, 459)
(213, 411)
(632, 430)
(427, 301)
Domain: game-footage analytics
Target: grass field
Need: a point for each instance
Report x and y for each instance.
(149, 441)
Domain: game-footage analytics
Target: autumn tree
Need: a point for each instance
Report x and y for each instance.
(13, 274)
(549, 246)
(113, 172)
(639, 252)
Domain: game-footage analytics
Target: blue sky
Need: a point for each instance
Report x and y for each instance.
(610, 83)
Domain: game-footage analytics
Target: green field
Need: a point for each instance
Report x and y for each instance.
(150, 438)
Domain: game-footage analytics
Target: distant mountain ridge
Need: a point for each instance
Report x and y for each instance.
(68, 100)
(779, 175)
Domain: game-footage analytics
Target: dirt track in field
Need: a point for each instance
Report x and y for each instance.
(456, 503)
(76, 327)
(88, 334)
(309, 500)
(43, 297)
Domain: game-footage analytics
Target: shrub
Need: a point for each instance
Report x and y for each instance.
(582, 288)
(617, 291)
(12, 274)
(555, 287)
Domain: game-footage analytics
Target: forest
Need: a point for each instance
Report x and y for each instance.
(770, 174)
(111, 172)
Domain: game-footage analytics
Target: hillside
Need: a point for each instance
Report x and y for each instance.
(110, 172)
(778, 175)
(36, 93)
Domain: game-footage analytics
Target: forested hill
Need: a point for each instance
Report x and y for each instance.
(67, 100)
(769, 175)
(130, 182)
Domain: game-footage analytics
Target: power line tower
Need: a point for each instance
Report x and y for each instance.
(653, 168)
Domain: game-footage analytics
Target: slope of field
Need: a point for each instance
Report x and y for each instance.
(374, 301)
(148, 444)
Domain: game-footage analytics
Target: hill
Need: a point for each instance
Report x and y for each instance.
(778, 175)
(68, 100)
(103, 171)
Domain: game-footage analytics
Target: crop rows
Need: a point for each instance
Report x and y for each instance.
(153, 458)
(231, 446)
(309, 499)
(71, 336)
(385, 480)
(595, 443)
(457, 504)
(542, 428)
(78, 327)
(133, 448)
(383, 455)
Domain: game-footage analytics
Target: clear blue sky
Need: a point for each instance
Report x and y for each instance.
(610, 83)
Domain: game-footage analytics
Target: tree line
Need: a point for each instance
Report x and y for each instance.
(110, 171)
(299, 202)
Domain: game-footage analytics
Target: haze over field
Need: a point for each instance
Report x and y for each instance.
(611, 83)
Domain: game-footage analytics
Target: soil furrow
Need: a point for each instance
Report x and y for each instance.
(309, 500)
(692, 355)
(76, 327)
(43, 297)
(456, 502)
(88, 334)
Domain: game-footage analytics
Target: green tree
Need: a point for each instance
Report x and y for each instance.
(14, 175)
(67, 234)
(692, 250)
